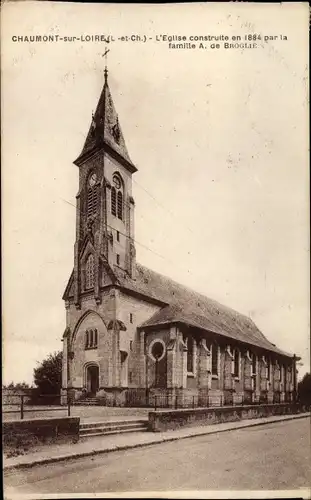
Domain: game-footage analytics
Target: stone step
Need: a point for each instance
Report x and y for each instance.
(87, 402)
(113, 428)
(110, 428)
(89, 399)
(109, 433)
(114, 423)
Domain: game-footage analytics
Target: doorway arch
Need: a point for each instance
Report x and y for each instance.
(92, 378)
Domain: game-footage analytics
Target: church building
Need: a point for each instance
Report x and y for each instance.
(132, 331)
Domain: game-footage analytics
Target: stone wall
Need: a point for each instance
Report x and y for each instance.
(78, 320)
(101, 356)
(163, 420)
(31, 432)
(136, 310)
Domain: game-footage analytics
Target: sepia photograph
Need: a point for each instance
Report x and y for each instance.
(156, 249)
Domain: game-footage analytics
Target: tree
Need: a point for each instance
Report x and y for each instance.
(18, 386)
(304, 389)
(48, 375)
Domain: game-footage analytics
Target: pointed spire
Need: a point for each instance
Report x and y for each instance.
(105, 130)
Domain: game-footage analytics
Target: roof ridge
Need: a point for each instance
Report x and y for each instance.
(217, 315)
(192, 290)
(159, 317)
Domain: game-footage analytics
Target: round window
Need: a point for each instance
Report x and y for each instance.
(157, 350)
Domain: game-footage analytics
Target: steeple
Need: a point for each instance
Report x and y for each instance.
(105, 206)
(105, 131)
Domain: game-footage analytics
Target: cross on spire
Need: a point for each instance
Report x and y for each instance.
(106, 58)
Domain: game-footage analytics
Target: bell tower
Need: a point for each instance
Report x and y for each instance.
(105, 206)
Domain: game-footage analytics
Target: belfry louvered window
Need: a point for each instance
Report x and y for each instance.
(120, 205)
(89, 272)
(113, 201)
(92, 200)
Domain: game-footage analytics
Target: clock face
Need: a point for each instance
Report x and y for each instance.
(93, 179)
(116, 181)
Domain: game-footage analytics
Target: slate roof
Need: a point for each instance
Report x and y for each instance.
(184, 305)
(104, 121)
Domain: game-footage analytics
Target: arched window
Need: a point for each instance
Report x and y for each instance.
(277, 371)
(290, 373)
(254, 364)
(215, 354)
(190, 364)
(91, 339)
(236, 363)
(113, 201)
(89, 272)
(191, 354)
(269, 369)
(117, 197)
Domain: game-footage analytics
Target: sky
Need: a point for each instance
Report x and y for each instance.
(220, 140)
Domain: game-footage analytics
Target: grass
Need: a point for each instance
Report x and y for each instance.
(19, 445)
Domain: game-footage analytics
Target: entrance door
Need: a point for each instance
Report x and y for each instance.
(92, 379)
